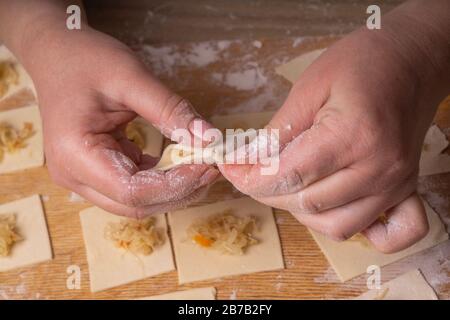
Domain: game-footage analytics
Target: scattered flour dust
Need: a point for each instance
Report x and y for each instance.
(278, 286)
(233, 294)
(163, 60)
(75, 197)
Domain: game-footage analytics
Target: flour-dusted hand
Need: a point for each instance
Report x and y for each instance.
(89, 87)
(352, 128)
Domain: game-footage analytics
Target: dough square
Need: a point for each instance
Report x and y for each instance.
(153, 138)
(195, 263)
(24, 78)
(33, 154)
(208, 293)
(32, 226)
(351, 258)
(409, 286)
(110, 266)
(433, 159)
(294, 68)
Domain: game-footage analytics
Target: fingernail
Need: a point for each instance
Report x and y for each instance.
(198, 126)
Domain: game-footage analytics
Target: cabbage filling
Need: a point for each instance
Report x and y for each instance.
(8, 77)
(138, 236)
(135, 134)
(224, 232)
(12, 139)
(8, 234)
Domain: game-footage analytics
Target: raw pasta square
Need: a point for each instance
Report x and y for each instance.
(208, 293)
(409, 286)
(110, 266)
(195, 263)
(35, 245)
(33, 154)
(153, 138)
(351, 258)
(25, 81)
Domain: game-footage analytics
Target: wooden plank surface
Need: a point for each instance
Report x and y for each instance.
(307, 274)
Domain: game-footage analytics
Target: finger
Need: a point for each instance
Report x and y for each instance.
(136, 212)
(338, 189)
(311, 156)
(343, 222)
(298, 113)
(130, 149)
(167, 111)
(406, 224)
(103, 167)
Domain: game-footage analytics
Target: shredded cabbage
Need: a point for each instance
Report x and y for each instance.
(137, 236)
(8, 234)
(134, 133)
(12, 139)
(8, 77)
(224, 232)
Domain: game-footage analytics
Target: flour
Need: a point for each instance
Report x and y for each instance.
(251, 78)
(75, 197)
(297, 41)
(165, 59)
(257, 44)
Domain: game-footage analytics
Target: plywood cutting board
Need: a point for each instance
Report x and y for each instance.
(307, 273)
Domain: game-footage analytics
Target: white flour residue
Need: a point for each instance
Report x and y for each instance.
(250, 77)
(45, 198)
(257, 44)
(278, 286)
(434, 264)
(259, 102)
(233, 295)
(75, 197)
(280, 220)
(163, 60)
(329, 276)
(297, 41)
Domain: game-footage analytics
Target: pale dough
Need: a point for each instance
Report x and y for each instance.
(195, 263)
(350, 258)
(208, 293)
(32, 227)
(153, 138)
(110, 266)
(294, 68)
(25, 81)
(33, 154)
(433, 160)
(409, 286)
(170, 158)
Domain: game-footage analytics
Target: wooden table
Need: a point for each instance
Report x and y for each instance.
(307, 274)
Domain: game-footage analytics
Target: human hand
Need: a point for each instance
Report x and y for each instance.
(89, 87)
(351, 133)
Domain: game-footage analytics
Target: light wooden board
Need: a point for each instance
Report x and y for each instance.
(307, 274)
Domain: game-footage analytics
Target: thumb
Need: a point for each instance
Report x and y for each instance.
(298, 112)
(166, 110)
